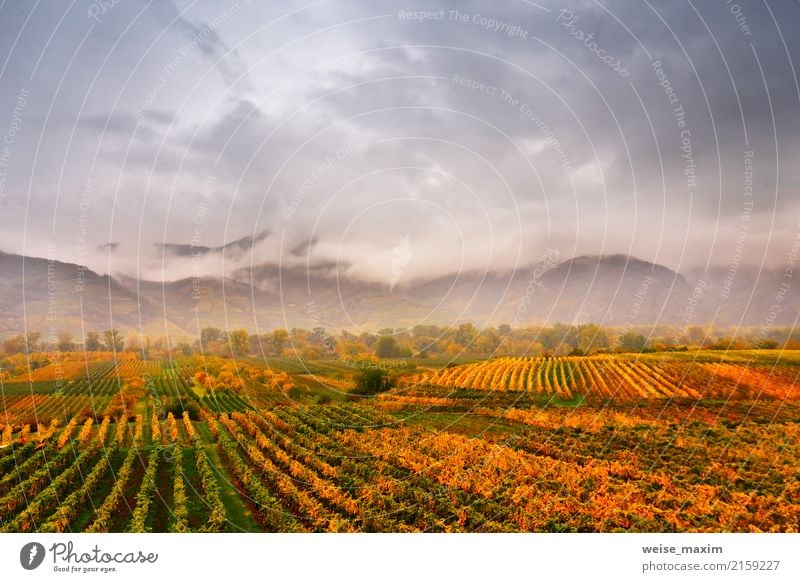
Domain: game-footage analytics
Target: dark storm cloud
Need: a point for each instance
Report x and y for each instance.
(204, 35)
(481, 132)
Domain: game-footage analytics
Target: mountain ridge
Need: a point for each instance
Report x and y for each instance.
(614, 289)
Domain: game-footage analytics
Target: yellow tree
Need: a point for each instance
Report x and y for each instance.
(231, 379)
(239, 341)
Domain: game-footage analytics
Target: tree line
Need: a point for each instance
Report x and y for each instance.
(421, 341)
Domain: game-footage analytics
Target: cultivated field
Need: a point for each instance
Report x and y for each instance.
(701, 441)
(740, 375)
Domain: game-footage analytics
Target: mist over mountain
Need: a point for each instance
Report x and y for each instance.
(50, 296)
(234, 249)
(377, 170)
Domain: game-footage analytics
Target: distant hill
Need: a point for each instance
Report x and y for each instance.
(610, 290)
(36, 294)
(233, 248)
(613, 290)
(597, 289)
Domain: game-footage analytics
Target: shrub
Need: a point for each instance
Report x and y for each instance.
(372, 381)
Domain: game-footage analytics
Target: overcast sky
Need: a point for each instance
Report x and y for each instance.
(361, 134)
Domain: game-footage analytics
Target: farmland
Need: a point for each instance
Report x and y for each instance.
(744, 375)
(697, 441)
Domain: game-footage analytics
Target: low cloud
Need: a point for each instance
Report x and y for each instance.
(356, 129)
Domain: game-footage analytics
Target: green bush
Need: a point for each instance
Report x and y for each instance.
(372, 381)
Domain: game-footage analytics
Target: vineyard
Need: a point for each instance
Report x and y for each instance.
(618, 444)
(89, 390)
(626, 377)
(352, 468)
